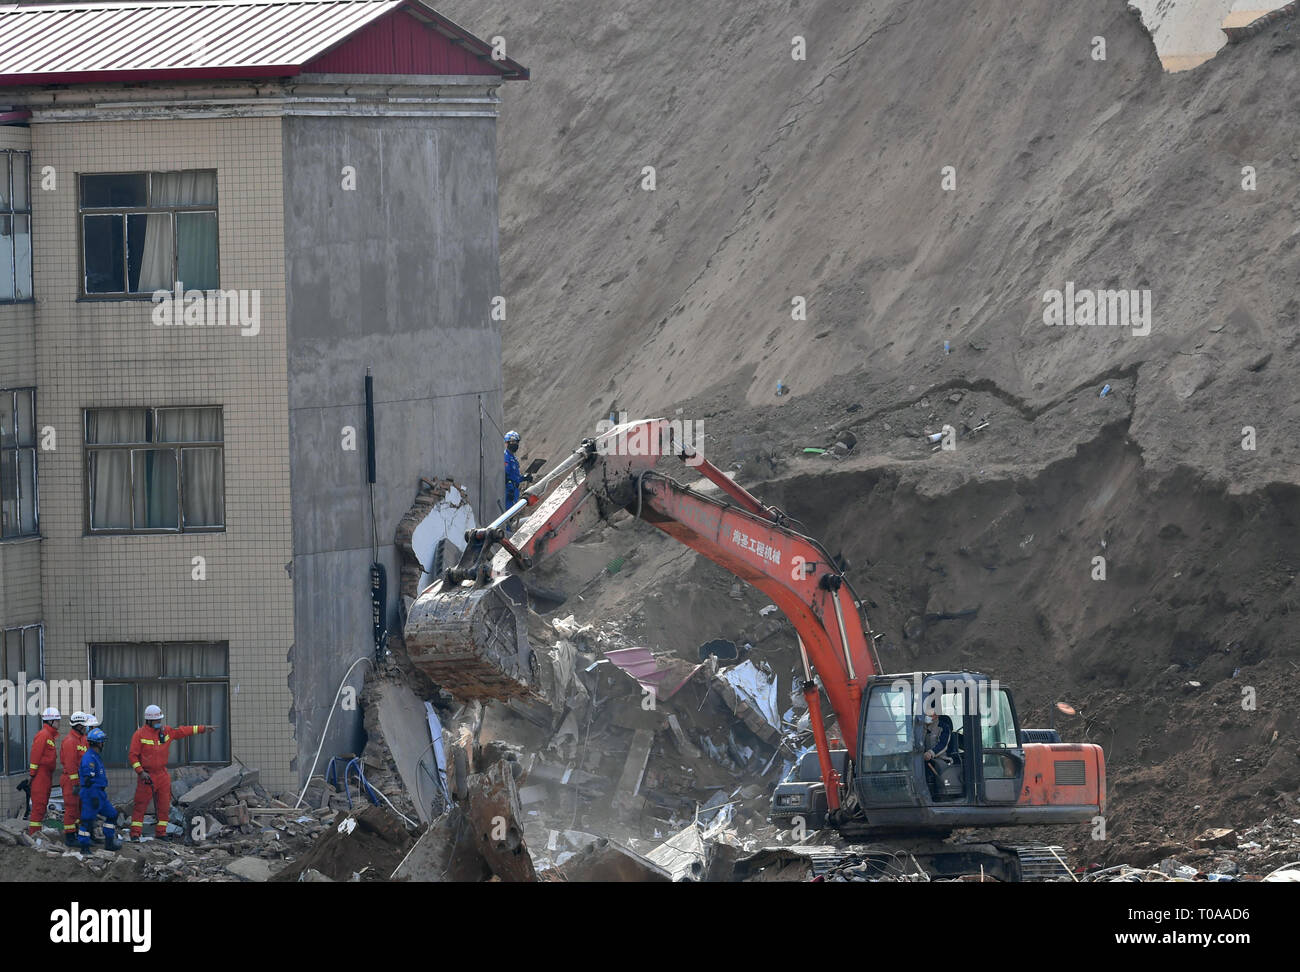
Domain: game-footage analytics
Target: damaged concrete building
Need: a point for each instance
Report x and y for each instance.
(208, 238)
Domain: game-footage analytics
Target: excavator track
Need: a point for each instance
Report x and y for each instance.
(922, 859)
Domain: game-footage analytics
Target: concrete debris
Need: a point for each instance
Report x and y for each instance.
(570, 630)
(481, 839)
(605, 861)
(629, 784)
(399, 743)
(220, 783)
(684, 744)
(251, 869)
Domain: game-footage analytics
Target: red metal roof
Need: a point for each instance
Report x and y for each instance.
(75, 43)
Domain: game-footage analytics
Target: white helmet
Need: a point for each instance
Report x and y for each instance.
(92, 721)
(78, 718)
(50, 715)
(152, 712)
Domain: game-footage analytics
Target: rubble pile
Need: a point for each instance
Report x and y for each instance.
(1268, 851)
(634, 747)
(224, 826)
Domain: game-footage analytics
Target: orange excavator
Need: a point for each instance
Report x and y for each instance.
(467, 631)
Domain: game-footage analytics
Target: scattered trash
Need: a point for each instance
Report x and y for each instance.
(781, 389)
(1104, 391)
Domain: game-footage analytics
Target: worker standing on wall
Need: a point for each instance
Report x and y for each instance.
(513, 476)
(94, 794)
(40, 767)
(148, 754)
(73, 747)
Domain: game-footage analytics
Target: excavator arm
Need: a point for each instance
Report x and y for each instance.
(467, 629)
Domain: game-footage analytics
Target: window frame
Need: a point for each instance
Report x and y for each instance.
(13, 214)
(17, 450)
(140, 684)
(5, 769)
(146, 210)
(151, 427)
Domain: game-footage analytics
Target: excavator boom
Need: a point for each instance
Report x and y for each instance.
(467, 629)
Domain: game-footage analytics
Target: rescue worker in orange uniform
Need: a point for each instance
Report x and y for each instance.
(40, 766)
(148, 753)
(73, 747)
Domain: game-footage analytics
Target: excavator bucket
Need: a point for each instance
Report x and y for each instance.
(473, 640)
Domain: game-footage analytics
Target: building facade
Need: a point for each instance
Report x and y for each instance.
(198, 264)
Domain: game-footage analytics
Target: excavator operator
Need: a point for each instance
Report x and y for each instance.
(935, 736)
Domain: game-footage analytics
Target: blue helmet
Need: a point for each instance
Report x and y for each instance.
(512, 436)
(96, 735)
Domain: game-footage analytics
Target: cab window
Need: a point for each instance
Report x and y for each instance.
(998, 732)
(887, 741)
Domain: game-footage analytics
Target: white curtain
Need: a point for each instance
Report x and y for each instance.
(14, 726)
(189, 659)
(110, 470)
(206, 706)
(193, 187)
(196, 252)
(202, 472)
(156, 264)
(23, 257)
(124, 661)
(6, 257)
(154, 475)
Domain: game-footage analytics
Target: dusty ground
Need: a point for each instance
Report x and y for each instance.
(778, 178)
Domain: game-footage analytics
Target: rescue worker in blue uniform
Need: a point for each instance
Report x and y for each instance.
(94, 794)
(513, 477)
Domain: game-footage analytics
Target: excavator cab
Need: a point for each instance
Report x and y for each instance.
(977, 773)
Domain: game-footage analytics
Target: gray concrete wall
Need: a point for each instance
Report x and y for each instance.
(397, 275)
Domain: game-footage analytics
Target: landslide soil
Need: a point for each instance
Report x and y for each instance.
(777, 179)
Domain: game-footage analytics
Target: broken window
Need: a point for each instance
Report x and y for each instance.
(189, 680)
(15, 226)
(18, 506)
(148, 231)
(20, 659)
(154, 470)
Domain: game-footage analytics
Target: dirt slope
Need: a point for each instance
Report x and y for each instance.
(778, 178)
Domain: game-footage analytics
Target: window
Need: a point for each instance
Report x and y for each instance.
(998, 733)
(189, 680)
(147, 231)
(886, 736)
(152, 470)
(15, 226)
(18, 508)
(21, 657)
